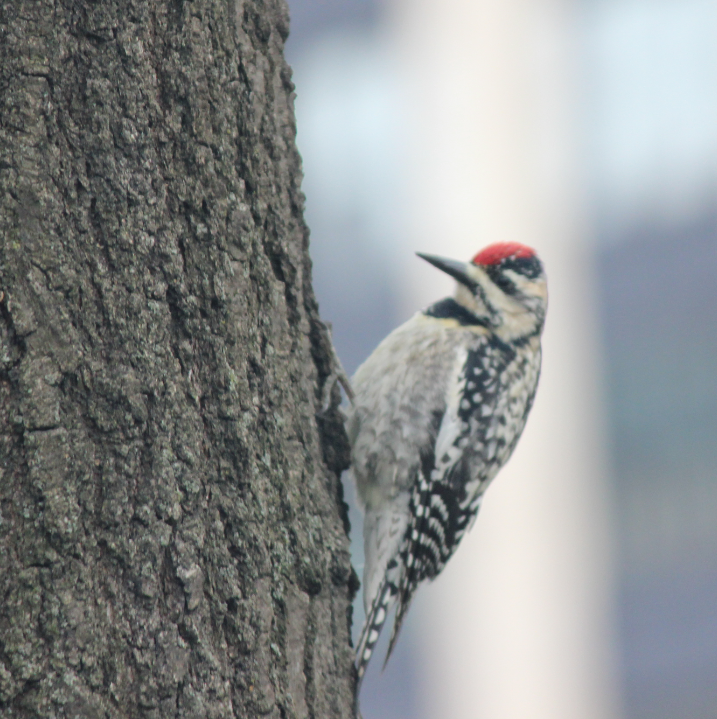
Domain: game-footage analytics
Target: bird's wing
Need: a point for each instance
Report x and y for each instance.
(435, 519)
(446, 499)
(434, 505)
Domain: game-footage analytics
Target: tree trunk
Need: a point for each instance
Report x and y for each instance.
(172, 532)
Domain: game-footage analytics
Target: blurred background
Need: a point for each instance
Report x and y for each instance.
(588, 130)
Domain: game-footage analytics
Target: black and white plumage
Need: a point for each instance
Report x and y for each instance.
(439, 407)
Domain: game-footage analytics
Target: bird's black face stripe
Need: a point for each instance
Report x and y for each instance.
(528, 267)
(449, 309)
(505, 283)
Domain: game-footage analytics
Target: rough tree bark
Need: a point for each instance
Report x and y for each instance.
(172, 534)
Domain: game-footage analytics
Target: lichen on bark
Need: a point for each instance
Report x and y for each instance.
(172, 532)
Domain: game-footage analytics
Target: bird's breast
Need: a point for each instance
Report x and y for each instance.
(401, 394)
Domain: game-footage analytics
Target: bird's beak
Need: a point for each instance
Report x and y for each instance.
(457, 270)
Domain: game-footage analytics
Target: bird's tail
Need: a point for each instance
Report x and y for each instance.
(372, 627)
(403, 604)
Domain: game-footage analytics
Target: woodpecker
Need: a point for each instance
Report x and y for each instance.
(438, 409)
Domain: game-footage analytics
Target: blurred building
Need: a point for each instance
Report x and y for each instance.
(650, 123)
(588, 129)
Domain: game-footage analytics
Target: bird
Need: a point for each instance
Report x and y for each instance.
(438, 408)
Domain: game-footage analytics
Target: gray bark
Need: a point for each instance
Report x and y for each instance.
(172, 533)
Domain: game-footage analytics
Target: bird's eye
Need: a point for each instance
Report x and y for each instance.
(503, 281)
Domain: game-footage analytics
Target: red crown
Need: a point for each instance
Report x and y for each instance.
(493, 254)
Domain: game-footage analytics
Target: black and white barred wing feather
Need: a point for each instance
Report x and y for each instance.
(439, 513)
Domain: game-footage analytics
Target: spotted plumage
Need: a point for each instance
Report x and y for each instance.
(439, 408)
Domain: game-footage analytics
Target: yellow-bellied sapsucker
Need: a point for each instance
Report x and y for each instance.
(438, 409)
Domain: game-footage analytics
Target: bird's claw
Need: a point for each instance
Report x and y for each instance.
(337, 375)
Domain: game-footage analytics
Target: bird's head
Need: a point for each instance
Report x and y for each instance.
(504, 285)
